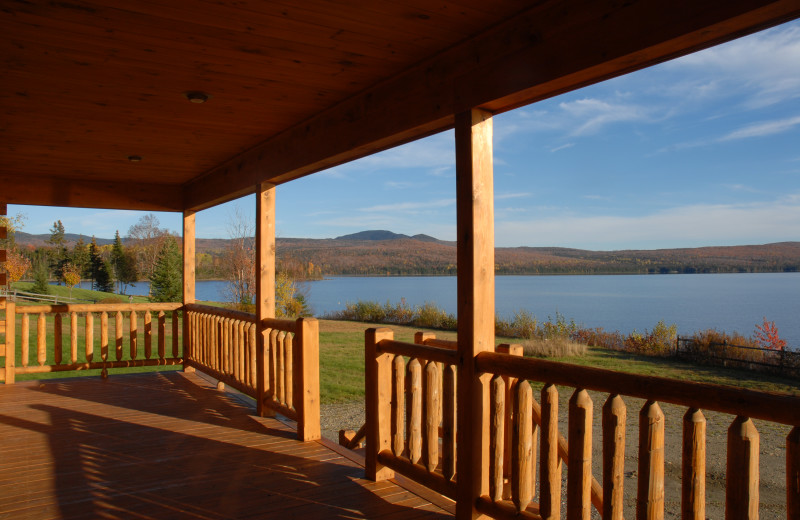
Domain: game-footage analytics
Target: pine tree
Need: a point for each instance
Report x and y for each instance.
(81, 258)
(166, 283)
(118, 260)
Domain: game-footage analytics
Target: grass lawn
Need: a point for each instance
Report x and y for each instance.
(342, 364)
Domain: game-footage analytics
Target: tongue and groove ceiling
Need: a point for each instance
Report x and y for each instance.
(294, 86)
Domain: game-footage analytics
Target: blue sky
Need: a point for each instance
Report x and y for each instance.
(703, 150)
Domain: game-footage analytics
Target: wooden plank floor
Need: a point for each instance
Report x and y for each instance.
(169, 445)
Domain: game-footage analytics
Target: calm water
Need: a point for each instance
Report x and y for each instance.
(729, 302)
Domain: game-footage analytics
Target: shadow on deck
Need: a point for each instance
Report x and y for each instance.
(169, 445)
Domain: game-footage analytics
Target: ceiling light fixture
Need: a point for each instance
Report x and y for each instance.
(134, 158)
(196, 96)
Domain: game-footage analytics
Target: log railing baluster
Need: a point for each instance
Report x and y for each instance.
(89, 337)
(579, 465)
(741, 477)
(650, 495)
(793, 474)
(73, 337)
(118, 331)
(398, 405)
(693, 466)
(522, 446)
(614, 416)
(288, 370)
(41, 339)
(58, 338)
(550, 465)
(497, 420)
(176, 333)
(449, 421)
(280, 364)
(148, 335)
(431, 410)
(25, 339)
(414, 410)
(104, 342)
(134, 335)
(162, 335)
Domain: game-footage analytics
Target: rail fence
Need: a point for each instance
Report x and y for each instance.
(783, 362)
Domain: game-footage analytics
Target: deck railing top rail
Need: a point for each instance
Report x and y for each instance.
(97, 307)
(779, 408)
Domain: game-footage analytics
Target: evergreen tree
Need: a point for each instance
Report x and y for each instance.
(118, 260)
(41, 274)
(81, 258)
(166, 283)
(103, 279)
(59, 254)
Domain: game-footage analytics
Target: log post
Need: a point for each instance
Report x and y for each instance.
(693, 466)
(497, 436)
(377, 397)
(522, 446)
(449, 410)
(398, 405)
(475, 288)
(305, 391)
(414, 417)
(265, 283)
(579, 465)
(741, 477)
(188, 288)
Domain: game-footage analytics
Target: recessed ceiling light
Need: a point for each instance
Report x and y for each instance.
(134, 158)
(196, 96)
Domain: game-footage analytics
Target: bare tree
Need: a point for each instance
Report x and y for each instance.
(147, 238)
(239, 260)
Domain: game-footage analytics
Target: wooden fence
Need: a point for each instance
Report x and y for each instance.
(784, 362)
(406, 402)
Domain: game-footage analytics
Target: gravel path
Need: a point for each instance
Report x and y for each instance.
(772, 453)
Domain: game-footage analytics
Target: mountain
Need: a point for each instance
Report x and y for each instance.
(381, 253)
(40, 240)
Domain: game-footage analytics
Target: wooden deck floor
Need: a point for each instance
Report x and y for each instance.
(169, 445)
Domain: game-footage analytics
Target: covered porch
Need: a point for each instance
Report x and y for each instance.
(292, 91)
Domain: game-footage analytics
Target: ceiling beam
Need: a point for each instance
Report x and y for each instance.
(554, 47)
(55, 191)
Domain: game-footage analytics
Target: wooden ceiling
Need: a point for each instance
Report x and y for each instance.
(295, 86)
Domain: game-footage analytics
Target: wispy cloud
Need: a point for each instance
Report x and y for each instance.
(562, 147)
(764, 64)
(410, 206)
(763, 128)
(591, 115)
(504, 196)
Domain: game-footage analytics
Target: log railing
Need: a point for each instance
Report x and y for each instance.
(90, 342)
(405, 404)
(743, 442)
(224, 345)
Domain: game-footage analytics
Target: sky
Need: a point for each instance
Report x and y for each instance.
(703, 150)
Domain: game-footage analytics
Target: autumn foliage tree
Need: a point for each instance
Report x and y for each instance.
(767, 336)
(71, 275)
(16, 266)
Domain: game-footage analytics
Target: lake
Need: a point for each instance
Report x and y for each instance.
(728, 302)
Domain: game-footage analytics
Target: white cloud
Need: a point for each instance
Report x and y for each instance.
(687, 226)
(504, 196)
(763, 128)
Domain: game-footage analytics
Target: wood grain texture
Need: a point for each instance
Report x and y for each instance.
(398, 405)
(497, 436)
(650, 483)
(431, 411)
(614, 417)
(579, 466)
(741, 476)
(693, 466)
(550, 460)
(522, 447)
(377, 397)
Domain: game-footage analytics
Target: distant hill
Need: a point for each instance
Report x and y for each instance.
(381, 253)
(25, 239)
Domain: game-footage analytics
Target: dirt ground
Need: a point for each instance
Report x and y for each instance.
(772, 454)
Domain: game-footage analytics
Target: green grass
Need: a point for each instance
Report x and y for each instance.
(342, 364)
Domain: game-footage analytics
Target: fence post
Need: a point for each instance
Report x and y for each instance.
(11, 321)
(305, 354)
(378, 396)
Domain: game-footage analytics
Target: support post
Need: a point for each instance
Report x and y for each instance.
(377, 397)
(475, 252)
(188, 285)
(306, 379)
(265, 284)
